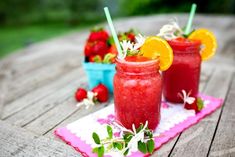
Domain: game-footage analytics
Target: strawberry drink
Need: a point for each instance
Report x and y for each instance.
(137, 82)
(137, 91)
(184, 73)
(190, 47)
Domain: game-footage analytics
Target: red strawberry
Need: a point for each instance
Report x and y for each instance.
(88, 49)
(80, 94)
(96, 48)
(95, 58)
(102, 92)
(98, 35)
(197, 105)
(100, 48)
(131, 37)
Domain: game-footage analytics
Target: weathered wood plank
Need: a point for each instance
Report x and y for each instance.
(19, 142)
(46, 52)
(224, 140)
(2, 92)
(54, 117)
(41, 93)
(29, 63)
(33, 111)
(5, 79)
(39, 77)
(200, 135)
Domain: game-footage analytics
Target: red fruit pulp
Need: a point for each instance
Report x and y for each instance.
(184, 72)
(137, 92)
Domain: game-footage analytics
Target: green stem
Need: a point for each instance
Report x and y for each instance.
(108, 141)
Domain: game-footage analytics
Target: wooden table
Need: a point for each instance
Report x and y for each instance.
(37, 86)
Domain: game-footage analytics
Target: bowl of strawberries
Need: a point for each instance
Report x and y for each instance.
(100, 53)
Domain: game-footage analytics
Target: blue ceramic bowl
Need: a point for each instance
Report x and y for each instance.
(100, 73)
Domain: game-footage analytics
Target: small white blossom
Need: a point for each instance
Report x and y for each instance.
(168, 31)
(89, 101)
(186, 98)
(139, 42)
(125, 46)
(132, 47)
(133, 144)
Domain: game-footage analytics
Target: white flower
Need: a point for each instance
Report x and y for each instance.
(186, 98)
(126, 45)
(133, 144)
(139, 42)
(168, 31)
(89, 101)
(132, 47)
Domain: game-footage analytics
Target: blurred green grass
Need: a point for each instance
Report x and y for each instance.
(14, 38)
(25, 22)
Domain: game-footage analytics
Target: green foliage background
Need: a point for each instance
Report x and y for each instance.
(23, 22)
(23, 12)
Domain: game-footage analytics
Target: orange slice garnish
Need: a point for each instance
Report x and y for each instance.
(155, 47)
(208, 41)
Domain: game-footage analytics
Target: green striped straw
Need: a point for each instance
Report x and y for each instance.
(190, 21)
(114, 34)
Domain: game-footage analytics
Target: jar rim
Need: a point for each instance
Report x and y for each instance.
(189, 43)
(143, 63)
(137, 67)
(191, 46)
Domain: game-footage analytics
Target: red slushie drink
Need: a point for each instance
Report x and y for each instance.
(184, 73)
(137, 92)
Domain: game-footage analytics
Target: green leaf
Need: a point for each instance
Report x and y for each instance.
(187, 35)
(96, 138)
(142, 147)
(110, 131)
(108, 57)
(140, 128)
(111, 40)
(200, 104)
(150, 146)
(149, 133)
(95, 150)
(126, 152)
(127, 137)
(97, 59)
(118, 145)
(101, 151)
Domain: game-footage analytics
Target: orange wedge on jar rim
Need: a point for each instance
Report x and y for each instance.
(208, 41)
(155, 47)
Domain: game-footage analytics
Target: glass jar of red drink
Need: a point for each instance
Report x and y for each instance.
(137, 92)
(184, 73)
